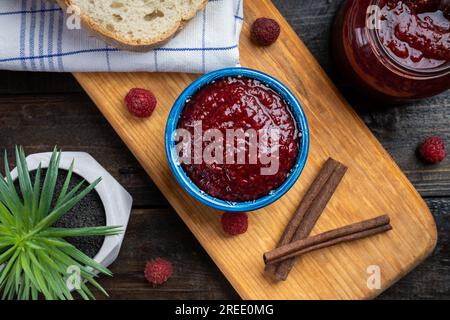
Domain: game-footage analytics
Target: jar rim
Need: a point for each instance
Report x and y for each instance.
(396, 66)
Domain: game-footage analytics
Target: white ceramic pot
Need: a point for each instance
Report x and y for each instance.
(116, 200)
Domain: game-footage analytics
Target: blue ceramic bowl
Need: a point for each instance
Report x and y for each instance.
(183, 179)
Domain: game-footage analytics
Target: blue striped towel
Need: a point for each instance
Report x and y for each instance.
(34, 37)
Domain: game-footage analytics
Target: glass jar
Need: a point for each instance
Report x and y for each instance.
(370, 56)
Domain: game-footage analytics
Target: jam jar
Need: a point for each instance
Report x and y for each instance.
(394, 50)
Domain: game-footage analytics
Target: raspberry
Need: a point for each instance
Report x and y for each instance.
(265, 31)
(140, 102)
(234, 223)
(432, 149)
(158, 271)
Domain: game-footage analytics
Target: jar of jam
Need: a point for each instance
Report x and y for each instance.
(394, 50)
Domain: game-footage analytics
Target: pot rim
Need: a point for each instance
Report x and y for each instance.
(115, 199)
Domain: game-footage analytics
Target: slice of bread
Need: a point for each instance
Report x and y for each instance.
(137, 25)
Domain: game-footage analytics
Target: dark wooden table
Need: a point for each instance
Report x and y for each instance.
(39, 111)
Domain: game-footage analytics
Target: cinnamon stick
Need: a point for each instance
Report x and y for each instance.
(312, 216)
(308, 212)
(348, 233)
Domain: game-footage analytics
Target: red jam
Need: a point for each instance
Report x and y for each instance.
(240, 103)
(404, 56)
(416, 34)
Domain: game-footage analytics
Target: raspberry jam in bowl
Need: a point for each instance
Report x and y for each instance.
(237, 139)
(394, 50)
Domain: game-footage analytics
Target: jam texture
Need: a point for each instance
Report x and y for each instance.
(399, 54)
(416, 33)
(240, 103)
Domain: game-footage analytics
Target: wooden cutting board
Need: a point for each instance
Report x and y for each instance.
(374, 185)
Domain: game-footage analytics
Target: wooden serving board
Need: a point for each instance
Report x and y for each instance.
(374, 185)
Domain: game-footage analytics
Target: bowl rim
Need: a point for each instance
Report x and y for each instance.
(180, 175)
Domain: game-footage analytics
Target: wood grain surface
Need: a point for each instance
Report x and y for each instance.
(39, 110)
(373, 185)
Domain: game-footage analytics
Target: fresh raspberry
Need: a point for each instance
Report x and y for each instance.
(234, 223)
(158, 271)
(140, 102)
(432, 149)
(265, 31)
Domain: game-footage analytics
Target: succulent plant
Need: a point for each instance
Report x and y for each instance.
(35, 258)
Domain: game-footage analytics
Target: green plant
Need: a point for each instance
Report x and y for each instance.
(35, 259)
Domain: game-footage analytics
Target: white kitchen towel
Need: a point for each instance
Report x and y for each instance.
(34, 37)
